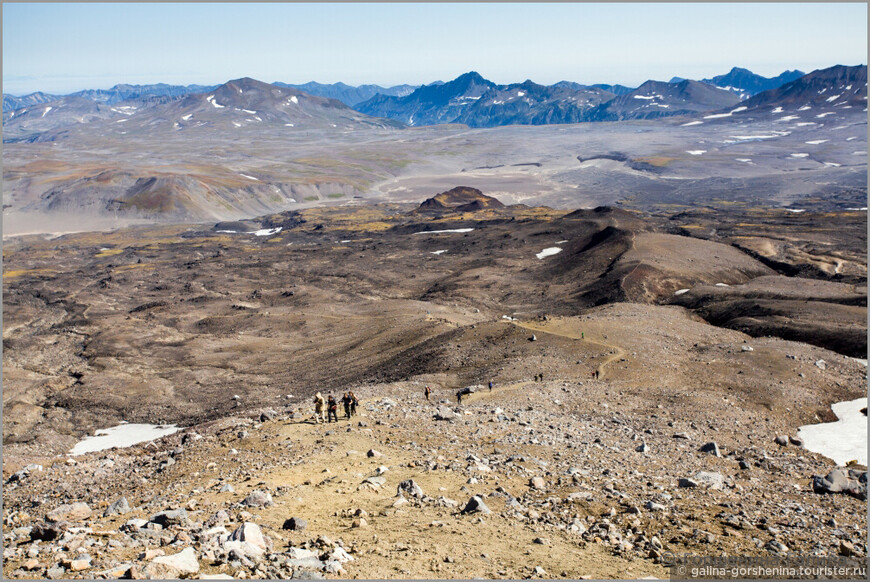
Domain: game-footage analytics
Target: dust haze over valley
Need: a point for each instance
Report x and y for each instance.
(685, 266)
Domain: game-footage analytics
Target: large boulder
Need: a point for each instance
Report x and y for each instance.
(170, 517)
(250, 533)
(295, 524)
(74, 512)
(47, 531)
(177, 565)
(119, 507)
(410, 488)
(258, 499)
(849, 481)
(476, 505)
(446, 413)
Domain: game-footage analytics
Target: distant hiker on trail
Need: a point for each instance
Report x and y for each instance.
(353, 403)
(319, 408)
(427, 391)
(332, 409)
(346, 400)
(459, 397)
(490, 385)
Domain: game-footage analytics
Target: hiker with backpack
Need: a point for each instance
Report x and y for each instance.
(353, 403)
(319, 408)
(346, 401)
(332, 409)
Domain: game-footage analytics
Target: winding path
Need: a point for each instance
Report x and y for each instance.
(541, 328)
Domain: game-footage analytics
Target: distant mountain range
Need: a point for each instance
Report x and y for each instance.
(348, 94)
(469, 99)
(477, 102)
(111, 96)
(657, 99)
(242, 103)
(744, 83)
(430, 104)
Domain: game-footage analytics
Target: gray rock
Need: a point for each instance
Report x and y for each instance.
(374, 453)
(537, 483)
(682, 435)
(75, 512)
(410, 489)
(302, 574)
(846, 549)
(710, 479)
(311, 563)
(821, 364)
(300, 554)
(781, 440)
(446, 413)
(190, 437)
(642, 448)
(258, 499)
(340, 555)
(56, 573)
(227, 488)
(119, 507)
(174, 566)
(653, 506)
(711, 448)
(133, 524)
(476, 505)
(776, 547)
(47, 531)
(219, 518)
(683, 482)
(796, 441)
(851, 482)
(295, 524)
(250, 533)
(25, 472)
(170, 517)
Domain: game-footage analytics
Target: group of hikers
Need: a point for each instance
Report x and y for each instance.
(326, 410)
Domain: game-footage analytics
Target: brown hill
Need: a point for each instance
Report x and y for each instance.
(459, 199)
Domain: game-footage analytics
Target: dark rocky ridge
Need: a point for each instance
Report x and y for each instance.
(459, 199)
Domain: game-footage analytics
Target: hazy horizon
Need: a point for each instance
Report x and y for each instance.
(63, 48)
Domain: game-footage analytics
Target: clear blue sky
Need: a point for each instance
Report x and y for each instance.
(60, 48)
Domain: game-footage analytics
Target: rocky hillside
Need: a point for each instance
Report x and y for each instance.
(560, 478)
(838, 86)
